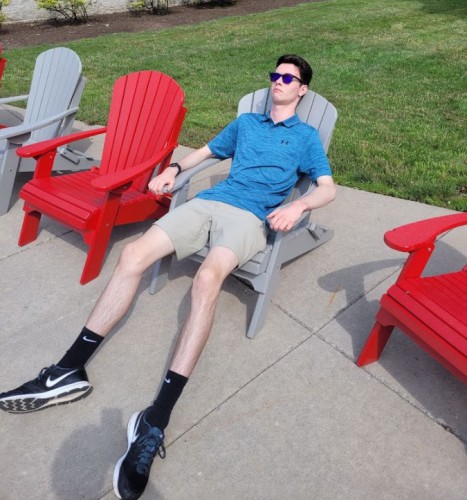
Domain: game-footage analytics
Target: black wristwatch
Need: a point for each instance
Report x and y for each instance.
(177, 166)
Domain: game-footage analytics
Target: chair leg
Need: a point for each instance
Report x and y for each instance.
(94, 260)
(8, 169)
(375, 344)
(98, 240)
(262, 304)
(259, 315)
(160, 272)
(30, 228)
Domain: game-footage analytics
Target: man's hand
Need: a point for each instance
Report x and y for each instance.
(284, 218)
(164, 182)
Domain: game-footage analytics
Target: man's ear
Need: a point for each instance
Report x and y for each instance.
(303, 90)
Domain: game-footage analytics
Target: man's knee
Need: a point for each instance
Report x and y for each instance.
(132, 259)
(140, 254)
(219, 263)
(207, 281)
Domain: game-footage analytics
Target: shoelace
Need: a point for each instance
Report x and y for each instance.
(43, 372)
(151, 445)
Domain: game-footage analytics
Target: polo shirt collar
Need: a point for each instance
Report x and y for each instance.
(290, 122)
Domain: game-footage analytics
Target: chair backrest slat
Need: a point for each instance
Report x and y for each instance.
(56, 75)
(143, 112)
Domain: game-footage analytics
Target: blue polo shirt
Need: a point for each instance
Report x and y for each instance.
(267, 160)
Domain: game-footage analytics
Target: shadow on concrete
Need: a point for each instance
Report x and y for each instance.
(72, 471)
(104, 444)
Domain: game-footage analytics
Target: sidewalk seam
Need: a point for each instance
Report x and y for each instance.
(292, 349)
(39, 243)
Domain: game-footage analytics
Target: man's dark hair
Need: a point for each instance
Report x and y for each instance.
(306, 73)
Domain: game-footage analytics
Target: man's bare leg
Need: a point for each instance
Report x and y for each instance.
(118, 296)
(146, 428)
(219, 263)
(195, 332)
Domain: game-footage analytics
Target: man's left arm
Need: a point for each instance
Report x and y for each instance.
(284, 218)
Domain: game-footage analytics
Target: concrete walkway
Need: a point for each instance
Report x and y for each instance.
(287, 415)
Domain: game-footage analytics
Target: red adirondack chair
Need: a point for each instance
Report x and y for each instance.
(145, 118)
(431, 310)
(2, 62)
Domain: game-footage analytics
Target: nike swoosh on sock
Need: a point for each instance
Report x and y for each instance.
(85, 338)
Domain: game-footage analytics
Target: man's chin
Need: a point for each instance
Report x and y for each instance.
(277, 98)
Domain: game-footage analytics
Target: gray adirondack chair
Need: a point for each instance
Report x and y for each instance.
(262, 271)
(52, 103)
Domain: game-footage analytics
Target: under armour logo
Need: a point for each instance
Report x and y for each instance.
(284, 141)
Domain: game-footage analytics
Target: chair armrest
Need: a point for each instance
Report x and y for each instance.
(40, 148)
(19, 132)
(111, 182)
(6, 100)
(25, 128)
(423, 233)
(186, 175)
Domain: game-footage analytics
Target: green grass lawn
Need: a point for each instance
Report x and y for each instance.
(394, 70)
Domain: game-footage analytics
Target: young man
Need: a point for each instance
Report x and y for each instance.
(269, 153)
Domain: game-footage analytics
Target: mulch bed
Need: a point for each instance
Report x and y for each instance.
(14, 35)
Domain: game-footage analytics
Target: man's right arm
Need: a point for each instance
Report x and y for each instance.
(165, 181)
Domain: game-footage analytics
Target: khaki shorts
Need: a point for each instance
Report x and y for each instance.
(197, 222)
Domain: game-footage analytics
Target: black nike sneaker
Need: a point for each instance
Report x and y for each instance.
(53, 386)
(131, 473)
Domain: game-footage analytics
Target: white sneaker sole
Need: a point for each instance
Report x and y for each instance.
(33, 402)
(129, 435)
